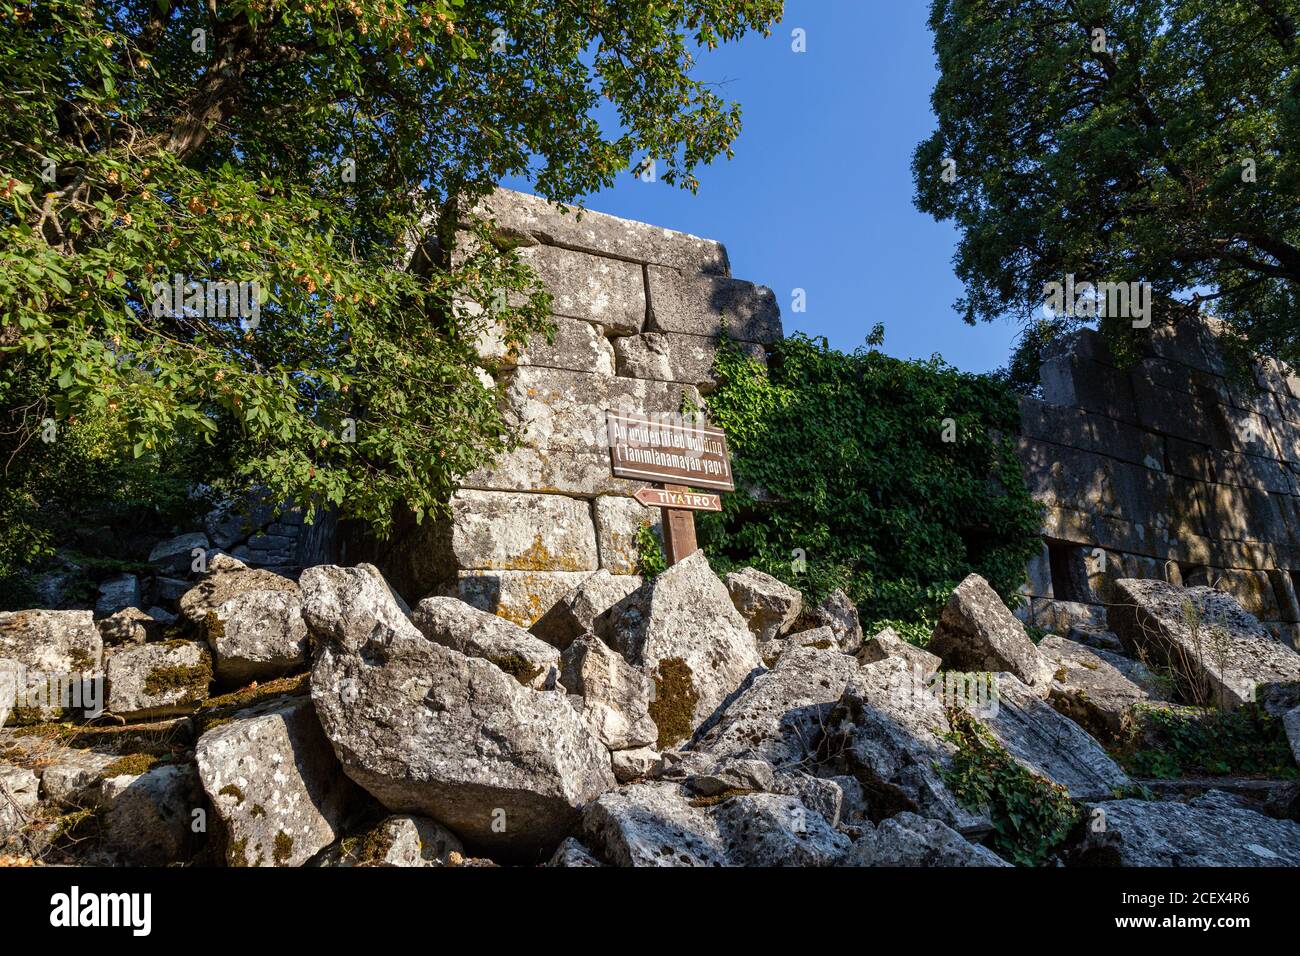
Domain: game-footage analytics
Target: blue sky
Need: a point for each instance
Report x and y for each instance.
(819, 196)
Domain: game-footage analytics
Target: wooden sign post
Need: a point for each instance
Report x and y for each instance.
(680, 453)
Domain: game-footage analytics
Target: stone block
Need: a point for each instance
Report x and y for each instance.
(1097, 388)
(565, 410)
(534, 218)
(551, 471)
(676, 357)
(578, 346)
(609, 292)
(617, 522)
(704, 305)
(501, 531)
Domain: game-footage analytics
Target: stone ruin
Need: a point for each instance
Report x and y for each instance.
(1172, 468)
(638, 313)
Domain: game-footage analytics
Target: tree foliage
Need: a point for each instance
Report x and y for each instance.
(890, 479)
(1149, 140)
(309, 150)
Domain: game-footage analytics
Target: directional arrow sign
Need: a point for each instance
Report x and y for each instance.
(685, 500)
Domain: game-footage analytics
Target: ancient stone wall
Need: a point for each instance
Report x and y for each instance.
(638, 311)
(1171, 468)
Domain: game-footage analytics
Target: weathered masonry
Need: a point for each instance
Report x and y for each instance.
(639, 310)
(1170, 468)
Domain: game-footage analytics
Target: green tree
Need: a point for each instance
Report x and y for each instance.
(310, 150)
(1142, 141)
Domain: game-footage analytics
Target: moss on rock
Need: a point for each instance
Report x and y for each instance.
(673, 707)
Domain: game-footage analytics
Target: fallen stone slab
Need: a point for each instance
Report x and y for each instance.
(257, 635)
(887, 644)
(1050, 744)
(1096, 688)
(226, 578)
(890, 733)
(47, 648)
(661, 825)
(157, 680)
(74, 774)
(1201, 833)
(272, 778)
(615, 697)
(131, 626)
(783, 713)
(147, 817)
(475, 633)
(683, 629)
(911, 840)
(768, 606)
(115, 593)
(176, 555)
(19, 797)
(430, 731)
(575, 614)
(976, 632)
(1218, 652)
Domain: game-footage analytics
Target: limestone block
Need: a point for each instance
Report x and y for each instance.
(1070, 380)
(676, 357)
(617, 523)
(702, 305)
(493, 530)
(578, 346)
(596, 289)
(581, 474)
(564, 410)
(533, 217)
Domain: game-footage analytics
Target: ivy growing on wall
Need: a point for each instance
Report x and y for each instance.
(890, 479)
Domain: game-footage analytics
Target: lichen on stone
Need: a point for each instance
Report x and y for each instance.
(673, 707)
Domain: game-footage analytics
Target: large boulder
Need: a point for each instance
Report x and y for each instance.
(226, 578)
(428, 730)
(890, 733)
(1218, 653)
(45, 645)
(272, 778)
(1096, 688)
(1050, 744)
(781, 715)
(1206, 832)
(19, 797)
(683, 629)
(768, 606)
(910, 840)
(575, 614)
(256, 635)
(453, 623)
(976, 632)
(613, 697)
(160, 679)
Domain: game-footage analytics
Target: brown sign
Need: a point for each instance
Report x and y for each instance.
(686, 500)
(668, 448)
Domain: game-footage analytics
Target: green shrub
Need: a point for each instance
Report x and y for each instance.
(1169, 742)
(1032, 817)
(868, 493)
